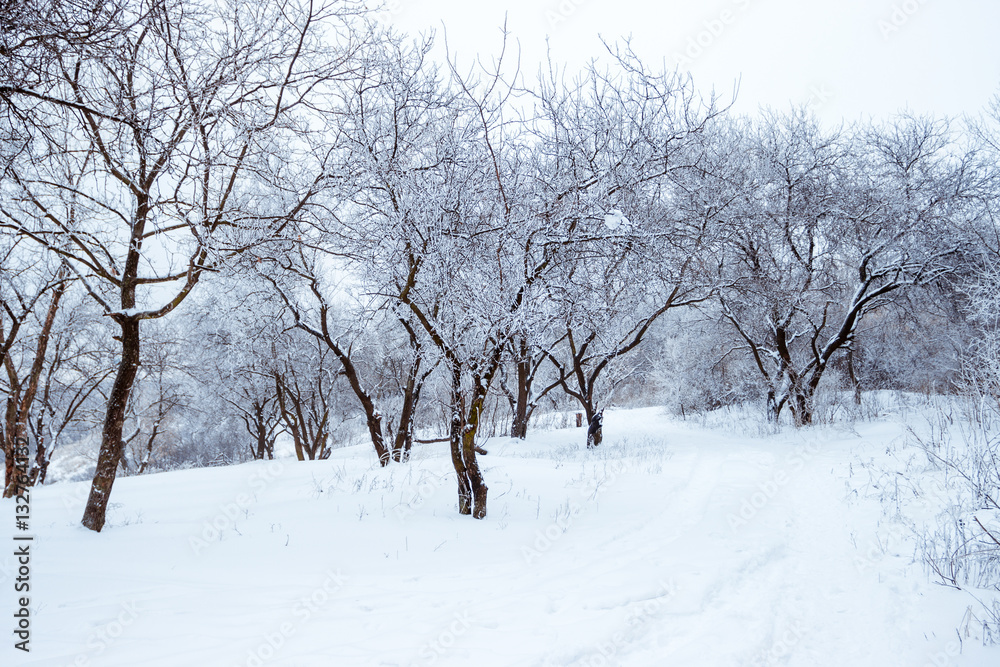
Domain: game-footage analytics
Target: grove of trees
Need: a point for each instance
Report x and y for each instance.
(225, 222)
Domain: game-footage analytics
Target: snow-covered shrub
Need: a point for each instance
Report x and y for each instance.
(693, 369)
(963, 548)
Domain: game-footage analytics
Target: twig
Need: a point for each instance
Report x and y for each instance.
(992, 536)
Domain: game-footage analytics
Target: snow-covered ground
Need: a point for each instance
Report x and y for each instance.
(675, 543)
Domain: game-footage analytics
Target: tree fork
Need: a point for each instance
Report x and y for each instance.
(475, 475)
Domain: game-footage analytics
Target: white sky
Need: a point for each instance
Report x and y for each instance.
(849, 59)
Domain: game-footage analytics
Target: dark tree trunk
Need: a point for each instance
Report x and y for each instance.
(455, 441)
(374, 418)
(147, 455)
(852, 375)
(472, 489)
(595, 431)
(14, 485)
(458, 461)
(261, 427)
(372, 415)
(305, 414)
(404, 436)
(41, 467)
(476, 480)
(519, 427)
(802, 408)
(263, 445)
(41, 464)
(9, 447)
(42, 454)
(114, 421)
(773, 406)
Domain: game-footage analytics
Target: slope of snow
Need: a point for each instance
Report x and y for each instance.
(672, 544)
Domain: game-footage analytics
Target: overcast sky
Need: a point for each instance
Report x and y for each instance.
(849, 59)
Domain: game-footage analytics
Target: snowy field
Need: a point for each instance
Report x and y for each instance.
(676, 543)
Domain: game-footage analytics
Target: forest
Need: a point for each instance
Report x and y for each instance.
(228, 225)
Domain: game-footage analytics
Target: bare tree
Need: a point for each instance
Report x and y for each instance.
(304, 385)
(260, 415)
(529, 355)
(827, 228)
(162, 165)
(617, 147)
(75, 381)
(24, 287)
(346, 338)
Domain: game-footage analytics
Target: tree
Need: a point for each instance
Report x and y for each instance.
(75, 380)
(529, 353)
(434, 170)
(184, 143)
(826, 228)
(258, 409)
(615, 150)
(24, 287)
(346, 337)
(34, 36)
(304, 387)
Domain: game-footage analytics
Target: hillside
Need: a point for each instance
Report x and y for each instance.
(676, 543)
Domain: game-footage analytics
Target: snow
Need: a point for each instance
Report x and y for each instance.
(674, 543)
(614, 219)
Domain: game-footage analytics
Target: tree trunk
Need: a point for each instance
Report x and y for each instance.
(42, 454)
(773, 406)
(14, 485)
(455, 442)
(149, 447)
(374, 418)
(372, 415)
(595, 436)
(9, 435)
(852, 375)
(299, 451)
(595, 431)
(469, 449)
(458, 461)
(802, 408)
(472, 487)
(404, 435)
(519, 427)
(41, 467)
(803, 399)
(476, 480)
(114, 421)
(265, 439)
